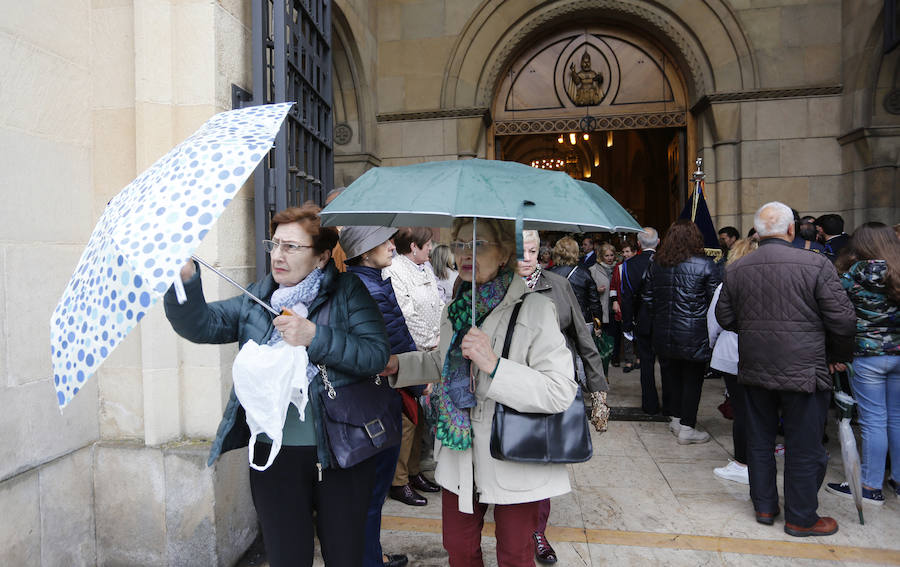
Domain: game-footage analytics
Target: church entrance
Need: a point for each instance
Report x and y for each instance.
(606, 105)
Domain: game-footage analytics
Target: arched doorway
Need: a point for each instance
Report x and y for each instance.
(606, 104)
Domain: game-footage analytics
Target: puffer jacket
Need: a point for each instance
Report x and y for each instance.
(585, 290)
(352, 345)
(678, 298)
(791, 315)
(382, 292)
(877, 317)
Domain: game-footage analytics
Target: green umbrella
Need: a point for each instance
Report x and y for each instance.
(434, 193)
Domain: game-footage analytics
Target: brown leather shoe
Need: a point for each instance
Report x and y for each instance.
(419, 482)
(407, 495)
(543, 551)
(825, 526)
(766, 518)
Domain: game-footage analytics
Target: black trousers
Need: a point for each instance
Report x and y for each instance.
(288, 493)
(649, 397)
(739, 423)
(803, 416)
(682, 384)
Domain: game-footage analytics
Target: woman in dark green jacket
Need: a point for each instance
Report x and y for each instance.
(351, 343)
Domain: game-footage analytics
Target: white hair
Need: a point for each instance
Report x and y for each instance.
(531, 236)
(648, 238)
(773, 219)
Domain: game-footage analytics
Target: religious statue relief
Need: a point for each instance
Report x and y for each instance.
(586, 83)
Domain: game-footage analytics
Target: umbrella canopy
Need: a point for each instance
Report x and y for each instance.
(844, 403)
(145, 235)
(434, 193)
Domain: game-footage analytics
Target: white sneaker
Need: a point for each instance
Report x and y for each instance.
(689, 435)
(675, 425)
(734, 472)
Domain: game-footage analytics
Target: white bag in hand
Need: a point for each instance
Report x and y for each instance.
(263, 378)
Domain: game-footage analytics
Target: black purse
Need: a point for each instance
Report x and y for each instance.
(360, 419)
(562, 437)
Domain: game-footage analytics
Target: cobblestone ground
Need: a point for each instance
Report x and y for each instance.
(645, 500)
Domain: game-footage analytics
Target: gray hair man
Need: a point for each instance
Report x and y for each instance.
(636, 320)
(795, 325)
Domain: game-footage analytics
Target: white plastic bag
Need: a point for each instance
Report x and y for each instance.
(266, 380)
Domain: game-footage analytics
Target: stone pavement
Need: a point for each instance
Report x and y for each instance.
(645, 500)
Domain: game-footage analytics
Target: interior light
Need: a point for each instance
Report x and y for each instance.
(609, 139)
(560, 139)
(572, 138)
(587, 175)
(597, 161)
(586, 137)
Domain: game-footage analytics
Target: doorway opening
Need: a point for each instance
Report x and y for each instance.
(643, 170)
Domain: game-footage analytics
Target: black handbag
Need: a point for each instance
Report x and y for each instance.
(562, 437)
(360, 419)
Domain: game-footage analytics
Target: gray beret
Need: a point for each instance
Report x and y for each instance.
(356, 240)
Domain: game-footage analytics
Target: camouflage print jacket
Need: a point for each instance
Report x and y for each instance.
(877, 317)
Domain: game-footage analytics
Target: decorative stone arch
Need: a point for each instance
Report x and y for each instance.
(354, 114)
(487, 46)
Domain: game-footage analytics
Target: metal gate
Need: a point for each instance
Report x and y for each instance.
(292, 62)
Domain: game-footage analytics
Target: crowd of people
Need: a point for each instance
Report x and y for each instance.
(774, 314)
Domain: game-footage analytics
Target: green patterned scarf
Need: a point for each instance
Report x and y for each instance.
(454, 394)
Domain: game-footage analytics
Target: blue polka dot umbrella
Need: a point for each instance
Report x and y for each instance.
(145, 235)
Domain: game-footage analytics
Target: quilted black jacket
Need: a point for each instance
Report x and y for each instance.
(677, 300)
(791, 315)
(585, 290)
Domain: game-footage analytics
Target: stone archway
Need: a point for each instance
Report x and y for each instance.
(354, 117)
(605, 103)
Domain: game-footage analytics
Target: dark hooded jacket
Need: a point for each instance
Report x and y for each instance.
(677, 299)
(877, 317)
(352, 344)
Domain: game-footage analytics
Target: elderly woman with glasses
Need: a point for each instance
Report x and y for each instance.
(303, 488)
(470, 377)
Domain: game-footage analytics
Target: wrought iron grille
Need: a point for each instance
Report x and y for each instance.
(292, 62)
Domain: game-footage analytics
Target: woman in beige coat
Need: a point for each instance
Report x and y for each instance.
(537, 376)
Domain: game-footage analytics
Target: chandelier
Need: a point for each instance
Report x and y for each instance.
(549, 163)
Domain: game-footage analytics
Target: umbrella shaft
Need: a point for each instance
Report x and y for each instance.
(237, 285)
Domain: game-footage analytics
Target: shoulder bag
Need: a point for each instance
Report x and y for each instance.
(539, 437)
(360, 419)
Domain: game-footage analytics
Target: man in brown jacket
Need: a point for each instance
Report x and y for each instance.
(795, 325)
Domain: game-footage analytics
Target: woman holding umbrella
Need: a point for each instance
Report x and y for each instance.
(579, 342)
(471, 378)
(303, 486)
(871, 276)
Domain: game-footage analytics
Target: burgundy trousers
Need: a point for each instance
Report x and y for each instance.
(462, 532)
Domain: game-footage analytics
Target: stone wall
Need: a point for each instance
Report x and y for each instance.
(94, 92)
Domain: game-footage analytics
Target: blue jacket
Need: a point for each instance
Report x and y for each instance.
(352, 344)
(383, 293)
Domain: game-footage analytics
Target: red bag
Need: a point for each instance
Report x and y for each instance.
(410, 406)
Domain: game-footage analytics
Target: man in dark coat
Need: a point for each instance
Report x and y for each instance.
(795, 326)
(587, 248)
(831, 232)
(636, 318)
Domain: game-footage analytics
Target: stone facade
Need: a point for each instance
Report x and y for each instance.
(786, 100)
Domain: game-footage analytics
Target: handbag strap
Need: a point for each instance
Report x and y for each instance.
(512, 326)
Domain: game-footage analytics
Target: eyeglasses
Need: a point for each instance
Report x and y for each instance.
(458, 246)
(285, 247)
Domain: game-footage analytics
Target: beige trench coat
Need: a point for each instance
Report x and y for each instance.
(538, 377)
